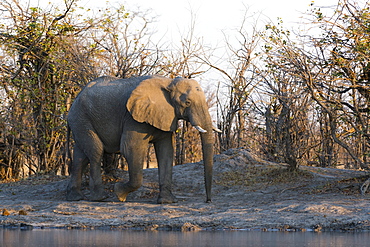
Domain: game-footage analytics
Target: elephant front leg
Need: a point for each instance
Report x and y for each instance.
(134, 151)
(165, 155)
(123, 189)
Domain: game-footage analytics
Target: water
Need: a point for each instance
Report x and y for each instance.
(70, 238)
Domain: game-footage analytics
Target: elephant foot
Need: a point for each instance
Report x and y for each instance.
(121, 191)
(98, 195)
(74, 195)
(166, 198)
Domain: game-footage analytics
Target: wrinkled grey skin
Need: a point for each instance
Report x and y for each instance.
(111, 115)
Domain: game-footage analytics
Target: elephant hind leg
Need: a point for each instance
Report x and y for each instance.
(88, 149)
(78, 165)
(95, 155)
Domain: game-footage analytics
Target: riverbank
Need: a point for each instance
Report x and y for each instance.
(248, 193)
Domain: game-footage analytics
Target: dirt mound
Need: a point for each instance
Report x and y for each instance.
(248, 192)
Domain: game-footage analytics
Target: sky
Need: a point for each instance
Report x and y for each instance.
(214, 21)
(212, 18)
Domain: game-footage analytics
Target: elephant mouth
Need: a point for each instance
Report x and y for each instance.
(201, 130)
(197, 126)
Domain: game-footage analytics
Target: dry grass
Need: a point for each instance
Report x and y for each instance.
(348, 186)
(260, 174)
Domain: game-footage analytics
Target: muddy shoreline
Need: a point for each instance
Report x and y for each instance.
(248, 193)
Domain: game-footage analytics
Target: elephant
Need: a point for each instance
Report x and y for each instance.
(113, 115)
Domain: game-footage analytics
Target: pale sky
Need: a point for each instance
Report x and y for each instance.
(212, 17)
(215, 20)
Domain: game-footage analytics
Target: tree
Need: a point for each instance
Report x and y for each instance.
(343, 90)
(332, 70)
(185, 60)
(35, 79)
(240, 80)
(49, 56)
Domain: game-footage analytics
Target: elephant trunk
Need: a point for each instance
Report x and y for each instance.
(207, 148)
(201, 120)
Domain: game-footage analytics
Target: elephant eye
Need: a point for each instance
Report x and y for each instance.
(184, 100)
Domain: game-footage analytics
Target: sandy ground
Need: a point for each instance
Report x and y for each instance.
(248, 193)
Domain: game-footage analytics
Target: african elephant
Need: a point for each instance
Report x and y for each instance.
(111, 115)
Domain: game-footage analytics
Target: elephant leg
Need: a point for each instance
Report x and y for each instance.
(78, 165)
(95, 155)
(90, 147)
(134, 149)
(165, 154)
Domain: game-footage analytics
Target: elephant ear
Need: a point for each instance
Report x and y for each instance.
(150, 103)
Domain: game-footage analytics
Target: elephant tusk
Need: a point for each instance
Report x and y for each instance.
(216, 129)
(200, 129)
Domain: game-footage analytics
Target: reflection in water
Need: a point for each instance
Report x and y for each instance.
(57, 237)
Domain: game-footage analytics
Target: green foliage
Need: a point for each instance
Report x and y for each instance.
(331, 70)
(312, 91)
(49, 55)
(34, 84)
(46, 64)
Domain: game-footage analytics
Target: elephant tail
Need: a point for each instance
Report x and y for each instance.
(68, 156)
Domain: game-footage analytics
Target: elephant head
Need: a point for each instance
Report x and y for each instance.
(161, 102)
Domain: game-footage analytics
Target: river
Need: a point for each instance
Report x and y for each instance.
(129, 238)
